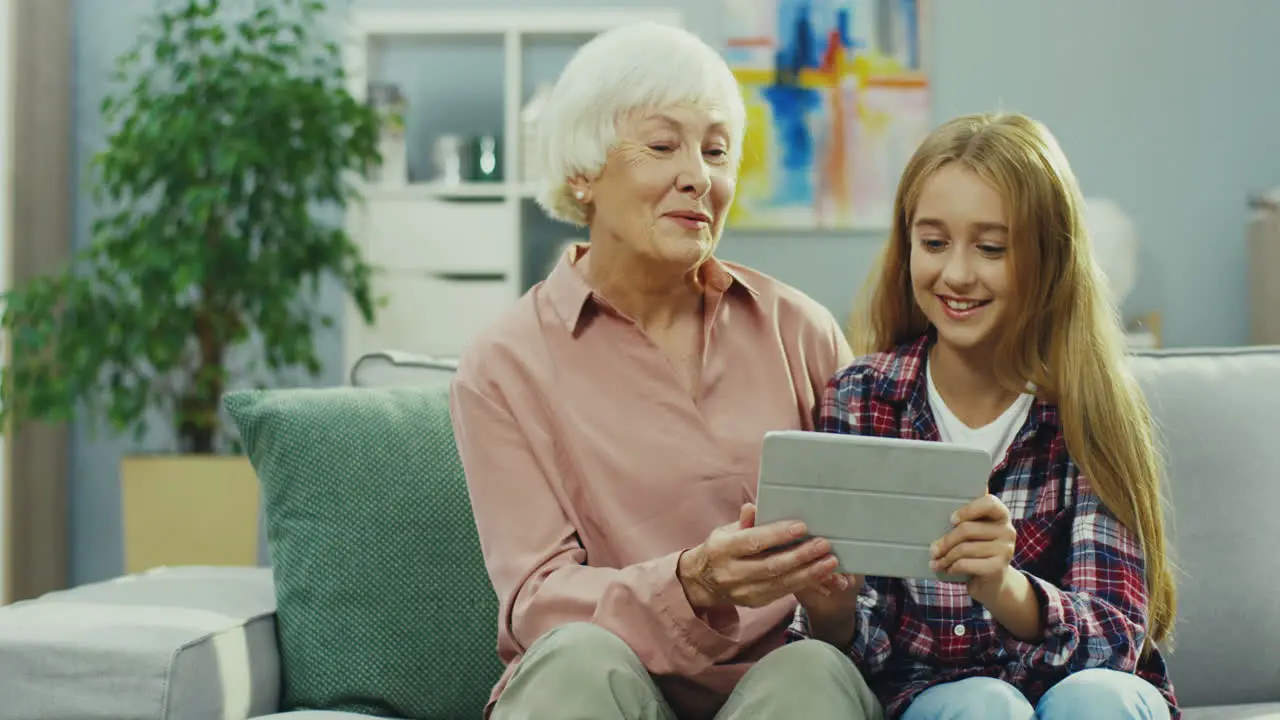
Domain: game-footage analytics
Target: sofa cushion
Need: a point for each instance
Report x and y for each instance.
(168, 644)
(384, 604)
(319, 715)
(1267, 711)
(1217, 411)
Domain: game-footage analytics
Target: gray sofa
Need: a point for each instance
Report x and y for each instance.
(195, 643)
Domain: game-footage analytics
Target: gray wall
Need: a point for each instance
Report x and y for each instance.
(1162, 105)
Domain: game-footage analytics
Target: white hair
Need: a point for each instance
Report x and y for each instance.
(633, 67)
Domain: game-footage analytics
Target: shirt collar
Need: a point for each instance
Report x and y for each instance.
(905, 385)
(570, 294)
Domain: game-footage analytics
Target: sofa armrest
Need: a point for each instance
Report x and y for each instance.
(389, 368)
(169, 644)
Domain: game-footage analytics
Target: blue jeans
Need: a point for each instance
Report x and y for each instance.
(1095, 694)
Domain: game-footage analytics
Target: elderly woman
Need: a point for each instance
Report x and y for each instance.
(610, 423)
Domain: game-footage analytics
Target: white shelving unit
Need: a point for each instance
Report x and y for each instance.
(449, 257)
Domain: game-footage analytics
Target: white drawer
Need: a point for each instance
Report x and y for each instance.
(461, 237)
(429, 315)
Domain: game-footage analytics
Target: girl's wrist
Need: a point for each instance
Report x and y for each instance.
(988, 592)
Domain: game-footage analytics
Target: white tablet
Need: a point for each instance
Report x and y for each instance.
(881, 502)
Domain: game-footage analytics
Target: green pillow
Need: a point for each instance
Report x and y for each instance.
(384, 607)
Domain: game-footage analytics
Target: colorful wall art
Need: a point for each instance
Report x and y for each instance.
(837, 100)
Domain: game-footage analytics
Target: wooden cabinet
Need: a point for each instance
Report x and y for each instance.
(438, 236)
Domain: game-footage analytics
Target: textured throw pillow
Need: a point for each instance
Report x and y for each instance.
(384, 605)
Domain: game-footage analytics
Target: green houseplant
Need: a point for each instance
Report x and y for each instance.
(229, 128)
(225, 138)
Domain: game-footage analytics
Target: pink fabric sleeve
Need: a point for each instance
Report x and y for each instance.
(538, 566)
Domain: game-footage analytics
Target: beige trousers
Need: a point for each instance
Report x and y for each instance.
(583, 672)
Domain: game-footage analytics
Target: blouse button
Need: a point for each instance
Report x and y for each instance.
(959, 630)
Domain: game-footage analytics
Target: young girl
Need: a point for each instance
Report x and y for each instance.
(988, 325)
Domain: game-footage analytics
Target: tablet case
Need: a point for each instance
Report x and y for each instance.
(881, 502)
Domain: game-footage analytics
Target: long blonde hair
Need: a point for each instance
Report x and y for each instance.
(1063, 334)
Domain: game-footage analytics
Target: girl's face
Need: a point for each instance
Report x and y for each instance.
(960, 273)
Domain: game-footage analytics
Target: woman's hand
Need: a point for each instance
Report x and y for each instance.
(980, 545)
(740, 564)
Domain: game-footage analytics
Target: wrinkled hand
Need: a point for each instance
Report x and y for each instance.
(836, 597)
(980, 545)
(740, 564)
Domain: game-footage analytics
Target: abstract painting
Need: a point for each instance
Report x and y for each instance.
(837, 100)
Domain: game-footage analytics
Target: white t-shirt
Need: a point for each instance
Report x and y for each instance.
(995, 437)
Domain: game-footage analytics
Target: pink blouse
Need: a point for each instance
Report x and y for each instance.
(591, 469)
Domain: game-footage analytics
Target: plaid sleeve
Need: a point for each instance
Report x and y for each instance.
(872, 644)
(846, 401)
(1097, 618)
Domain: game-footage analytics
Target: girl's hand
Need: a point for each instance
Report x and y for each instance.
(980, 545)
(837, 596)
(832, 609)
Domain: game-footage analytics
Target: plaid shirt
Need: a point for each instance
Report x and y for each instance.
(1086, 568)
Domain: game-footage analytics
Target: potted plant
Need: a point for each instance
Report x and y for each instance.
(227, 133)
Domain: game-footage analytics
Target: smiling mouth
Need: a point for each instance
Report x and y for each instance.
(690, 217)
(960, 305)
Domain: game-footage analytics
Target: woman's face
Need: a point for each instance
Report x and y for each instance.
(666, 186)
(960, 273)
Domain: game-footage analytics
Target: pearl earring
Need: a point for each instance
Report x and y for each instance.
(579, 194)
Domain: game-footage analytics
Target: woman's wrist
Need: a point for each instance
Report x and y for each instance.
(689, 573)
